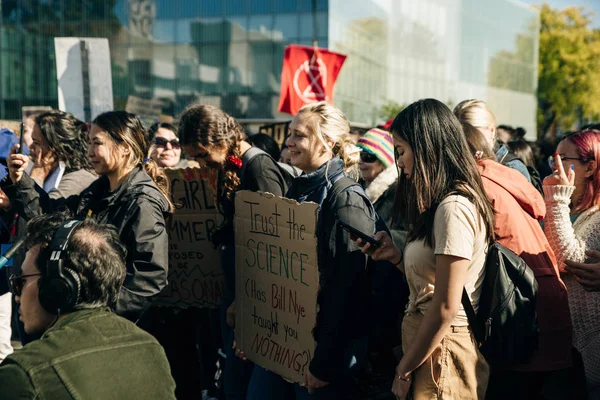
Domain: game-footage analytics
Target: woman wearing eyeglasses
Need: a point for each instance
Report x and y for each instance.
(165, 148)
(572, 195)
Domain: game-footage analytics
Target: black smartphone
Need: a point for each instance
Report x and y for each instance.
(20, 151)
(367, 238)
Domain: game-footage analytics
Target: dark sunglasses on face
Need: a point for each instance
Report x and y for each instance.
(162, 142)
(367, 157)
(17, 282)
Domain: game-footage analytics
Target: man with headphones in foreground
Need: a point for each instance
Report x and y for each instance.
(70, 278)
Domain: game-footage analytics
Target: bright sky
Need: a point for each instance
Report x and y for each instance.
(588, 5)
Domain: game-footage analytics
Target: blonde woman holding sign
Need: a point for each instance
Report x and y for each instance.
(319, 144)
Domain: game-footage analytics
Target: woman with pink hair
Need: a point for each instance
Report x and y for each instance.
(572, 196)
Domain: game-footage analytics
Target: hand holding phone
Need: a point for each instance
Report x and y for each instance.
(359, 234)
(378, 247)
(21, 136)
(16, 163)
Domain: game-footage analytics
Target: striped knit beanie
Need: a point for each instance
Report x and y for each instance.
(379, 143)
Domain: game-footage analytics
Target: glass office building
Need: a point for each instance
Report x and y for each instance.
(230, 52)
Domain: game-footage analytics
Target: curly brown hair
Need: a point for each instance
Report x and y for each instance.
(67, 137)
(213, 128)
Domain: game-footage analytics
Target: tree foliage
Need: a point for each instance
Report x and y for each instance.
(390, 109)
(569, 69)
(514, 70)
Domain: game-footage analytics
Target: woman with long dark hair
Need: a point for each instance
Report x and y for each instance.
(214, 139)
(131, 194)
(441, 198)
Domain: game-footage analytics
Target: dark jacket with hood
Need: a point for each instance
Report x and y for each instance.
(344, 288)
(388, 285)
(136, 208)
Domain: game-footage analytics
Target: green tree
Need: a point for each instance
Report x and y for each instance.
(515, 70)
(569, 69)
(390, 109)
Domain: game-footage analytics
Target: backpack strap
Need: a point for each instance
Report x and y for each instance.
(508, 157)
(248, 156)
(473, 321)
(341, 184)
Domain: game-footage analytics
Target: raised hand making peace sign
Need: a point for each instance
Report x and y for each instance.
(559, 175)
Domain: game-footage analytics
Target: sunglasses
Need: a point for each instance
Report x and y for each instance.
(162, 142)
(367, 157)
(17, 282)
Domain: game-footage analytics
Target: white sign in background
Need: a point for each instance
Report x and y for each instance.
(69, 73)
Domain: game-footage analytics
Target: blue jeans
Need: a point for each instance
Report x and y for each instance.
(266, 385)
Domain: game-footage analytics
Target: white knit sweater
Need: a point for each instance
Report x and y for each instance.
(569, 241)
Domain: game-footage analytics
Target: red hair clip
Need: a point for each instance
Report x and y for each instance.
(235, 161)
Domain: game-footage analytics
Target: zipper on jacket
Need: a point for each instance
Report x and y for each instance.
(488, 328)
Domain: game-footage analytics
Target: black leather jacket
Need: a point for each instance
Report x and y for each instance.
(137, 209)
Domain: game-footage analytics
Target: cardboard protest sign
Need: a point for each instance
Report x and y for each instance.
(84, 76)
(277, 131)
(277, 281)
(195, 274)
(149, 110)
(33, 111)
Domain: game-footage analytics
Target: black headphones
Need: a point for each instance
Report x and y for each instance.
(59, 285)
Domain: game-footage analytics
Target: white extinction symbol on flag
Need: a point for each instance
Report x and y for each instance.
(314, 79)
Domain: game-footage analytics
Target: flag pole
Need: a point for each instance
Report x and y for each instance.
(315, 32)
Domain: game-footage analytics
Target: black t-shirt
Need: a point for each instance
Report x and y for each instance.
(262, 174)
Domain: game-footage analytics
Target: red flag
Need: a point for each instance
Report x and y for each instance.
(307, 79)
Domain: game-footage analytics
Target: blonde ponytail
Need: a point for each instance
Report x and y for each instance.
(350, 155)
(476, 113)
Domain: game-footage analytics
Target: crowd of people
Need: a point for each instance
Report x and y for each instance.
(435, 189)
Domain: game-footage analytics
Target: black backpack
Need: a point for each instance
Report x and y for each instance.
(505, 326)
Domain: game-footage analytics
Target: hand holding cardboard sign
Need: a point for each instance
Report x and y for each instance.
(239, 353)
(230, 315)
(311, 382)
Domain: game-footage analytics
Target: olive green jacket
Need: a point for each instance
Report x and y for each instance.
(89, 354)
